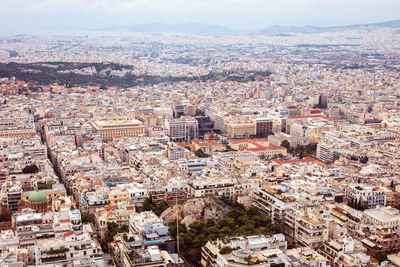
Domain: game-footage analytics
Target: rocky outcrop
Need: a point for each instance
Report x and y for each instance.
(196, 209)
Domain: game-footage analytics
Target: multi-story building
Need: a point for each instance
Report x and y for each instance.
(90, 200)
(178, 111)
(302, 223)
(123, 254)
(264, 127)
(272, 204)
(14, 194)
(20, 126)
(229, 188)
(175, 152)
(118, 214)
(237, 128)
(69, 250)
(117, 195)
(148, 229)
(208, 146)
(327, 153)
(109, 128)
(343, 252)
(250, 246)
(260, 147)
(384, 230)
(183, 129)
(205, 124)
(310, 229)
(278, 138)
(258, 251)
(365, 197)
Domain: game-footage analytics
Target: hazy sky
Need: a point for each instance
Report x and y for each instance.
(237, 14)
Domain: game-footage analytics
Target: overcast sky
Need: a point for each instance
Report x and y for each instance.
(238, 14)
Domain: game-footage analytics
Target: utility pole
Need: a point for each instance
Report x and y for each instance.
(177, 224)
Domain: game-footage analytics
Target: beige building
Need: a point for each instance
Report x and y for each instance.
(240, 129)
(112, 214)
(112, 127)
(229, 188)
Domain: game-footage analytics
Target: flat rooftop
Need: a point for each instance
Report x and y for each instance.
(114, 123)
(384, 214)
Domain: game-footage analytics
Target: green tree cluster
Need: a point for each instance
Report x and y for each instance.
(286, 144)
(309, 150)
(88, 218)
(238, 222)
(30, 169)
(5, 214)
(200, 154)
(45, 74)
(112, 230)
(381, 256)
(159, 208)
(225, 250)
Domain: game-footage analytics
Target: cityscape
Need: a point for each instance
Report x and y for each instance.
(193, 144)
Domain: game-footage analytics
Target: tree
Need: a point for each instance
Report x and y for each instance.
(88, 218)
(225, 250)
(285, 143)
(111, 226)
(381, 256)
(311, 149)
(30, 169)
(5, 214)
(199, 153)
(123, 228)
(158, 209)
(238, 222)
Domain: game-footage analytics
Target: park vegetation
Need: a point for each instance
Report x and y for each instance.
(238, 222)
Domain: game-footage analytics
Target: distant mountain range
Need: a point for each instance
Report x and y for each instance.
(199, 28)
(314, 29)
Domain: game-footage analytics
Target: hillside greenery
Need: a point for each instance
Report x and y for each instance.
(238, 222)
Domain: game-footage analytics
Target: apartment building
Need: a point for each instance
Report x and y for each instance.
(258, 251)
(327, 153)
(384, 230)
(264, 127)
(148, 229)
(229, 188)
(302, 223)
(118, 214)
(183, 129)
(257, 247)
(364, 196)
(271, 203)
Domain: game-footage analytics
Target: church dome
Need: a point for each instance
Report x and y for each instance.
(37, 197)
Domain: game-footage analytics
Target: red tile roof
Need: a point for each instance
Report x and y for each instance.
(69, 233)
(252, 141)
(205, 143)
(304, 160)
(262, 148)
(311, 116)
(111, 207)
